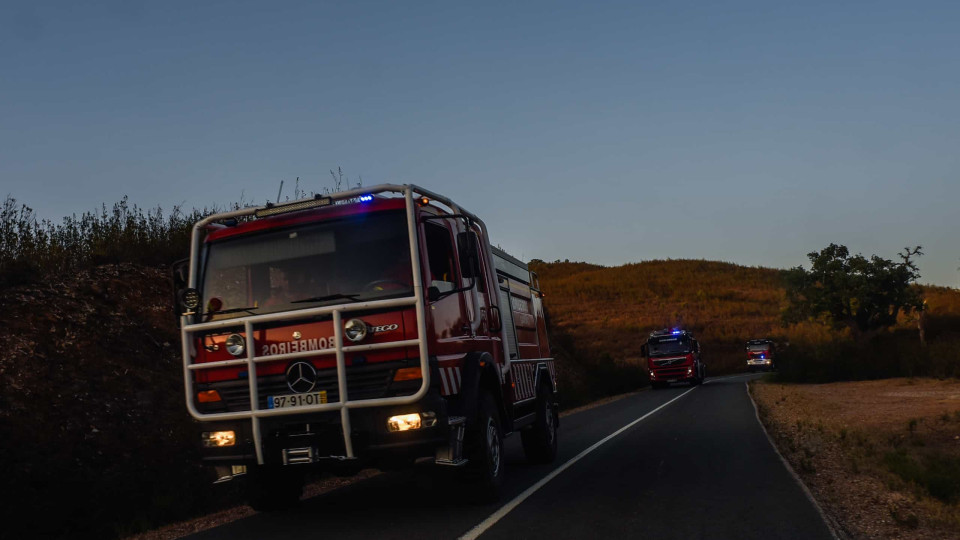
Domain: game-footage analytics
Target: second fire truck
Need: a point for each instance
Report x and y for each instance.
(673, 356)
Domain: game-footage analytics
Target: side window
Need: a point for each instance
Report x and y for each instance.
(440, 255)
(481, 280)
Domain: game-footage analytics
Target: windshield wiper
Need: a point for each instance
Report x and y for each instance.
(334, 296)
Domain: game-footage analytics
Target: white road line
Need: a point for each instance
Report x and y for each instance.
(505, 509)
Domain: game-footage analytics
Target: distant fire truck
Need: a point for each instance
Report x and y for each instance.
(761, 354)
(372, 327)
(673, 356)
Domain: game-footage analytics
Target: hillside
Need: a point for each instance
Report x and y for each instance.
(612, 310)
(602, 315)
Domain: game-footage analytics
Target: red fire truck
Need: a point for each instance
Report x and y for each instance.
(372, 327)
(761, 354)
(673, 356)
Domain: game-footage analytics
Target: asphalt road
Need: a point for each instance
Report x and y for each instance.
(673, 463)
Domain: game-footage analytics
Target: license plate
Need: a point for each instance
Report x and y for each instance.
(296, 400)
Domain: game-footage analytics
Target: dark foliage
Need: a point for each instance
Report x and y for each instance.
(32, 249)
(865, 295)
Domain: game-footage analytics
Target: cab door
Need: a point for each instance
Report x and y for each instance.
(451, 326)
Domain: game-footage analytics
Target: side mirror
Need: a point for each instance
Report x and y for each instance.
(643, 350)
(179, 276)
(433, 294)
(468, 246)
(495, 322)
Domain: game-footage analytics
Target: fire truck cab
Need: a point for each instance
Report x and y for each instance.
(372, 327)
(673, 356)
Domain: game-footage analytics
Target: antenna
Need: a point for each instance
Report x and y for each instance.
(279, 191)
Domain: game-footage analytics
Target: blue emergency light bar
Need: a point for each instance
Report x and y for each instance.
(366, 198)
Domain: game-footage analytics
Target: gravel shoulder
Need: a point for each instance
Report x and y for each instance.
(881, 457)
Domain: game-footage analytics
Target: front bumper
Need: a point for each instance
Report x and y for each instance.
(322, 434)
(672, 374)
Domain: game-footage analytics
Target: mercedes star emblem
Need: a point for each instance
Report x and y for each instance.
(301, 377)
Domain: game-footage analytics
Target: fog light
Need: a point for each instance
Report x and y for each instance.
(215, 439)
(689, 371)
(652, 374)
(190, 299)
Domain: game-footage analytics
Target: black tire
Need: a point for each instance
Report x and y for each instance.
(540, 441)
(484, 471)
(271, 488)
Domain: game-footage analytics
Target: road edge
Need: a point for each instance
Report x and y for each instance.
(835, 529)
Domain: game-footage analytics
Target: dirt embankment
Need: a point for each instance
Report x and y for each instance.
(96, 440)
(881, 457)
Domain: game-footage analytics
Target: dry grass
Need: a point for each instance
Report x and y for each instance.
(882, 457)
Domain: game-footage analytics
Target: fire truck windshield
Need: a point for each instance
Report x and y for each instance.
(359, 258)
(669, 346)
(758, 347)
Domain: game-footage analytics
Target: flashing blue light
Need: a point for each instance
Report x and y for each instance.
(675, 332)
(762, 356)
(366, 198)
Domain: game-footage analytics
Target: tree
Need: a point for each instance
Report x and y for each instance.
(865, 295)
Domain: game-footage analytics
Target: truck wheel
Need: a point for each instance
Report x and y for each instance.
(698, 380)
(485, 468)
(273, 488)
(540, 441)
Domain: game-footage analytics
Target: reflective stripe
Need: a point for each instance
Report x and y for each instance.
(443, 379)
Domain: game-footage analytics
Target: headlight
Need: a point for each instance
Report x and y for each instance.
(235, 344)
(214, 439)
(355, 330)
(406, 422)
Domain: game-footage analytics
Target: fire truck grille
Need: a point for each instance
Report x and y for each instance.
(672, 372)
(363, 382)
(668, 362)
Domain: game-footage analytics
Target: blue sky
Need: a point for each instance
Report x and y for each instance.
(748, 132)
